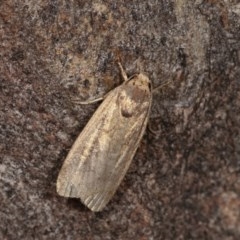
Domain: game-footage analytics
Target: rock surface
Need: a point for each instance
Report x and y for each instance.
(184, 182)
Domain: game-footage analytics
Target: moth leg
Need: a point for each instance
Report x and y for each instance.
(161, 86)
(123, 73)
(149, 126)
(78, 101)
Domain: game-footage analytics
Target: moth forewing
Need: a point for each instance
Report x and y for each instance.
(102, 153)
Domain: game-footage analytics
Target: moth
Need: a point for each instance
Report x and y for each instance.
(102, 153)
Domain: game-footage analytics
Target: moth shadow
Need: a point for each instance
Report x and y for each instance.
(75, 203)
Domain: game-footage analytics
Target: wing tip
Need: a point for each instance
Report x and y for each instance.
(66, 190)
(96, 202)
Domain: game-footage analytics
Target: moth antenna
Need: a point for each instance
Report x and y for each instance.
(123, 73)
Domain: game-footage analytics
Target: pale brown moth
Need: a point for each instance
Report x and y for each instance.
(102, 153)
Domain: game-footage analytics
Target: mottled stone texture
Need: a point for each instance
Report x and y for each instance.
(184, 182)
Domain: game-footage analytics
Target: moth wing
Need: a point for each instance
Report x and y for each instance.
(102, 153)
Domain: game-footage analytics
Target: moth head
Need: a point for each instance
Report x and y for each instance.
(141, 81)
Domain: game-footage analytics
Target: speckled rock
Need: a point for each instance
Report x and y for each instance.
(184, 182)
